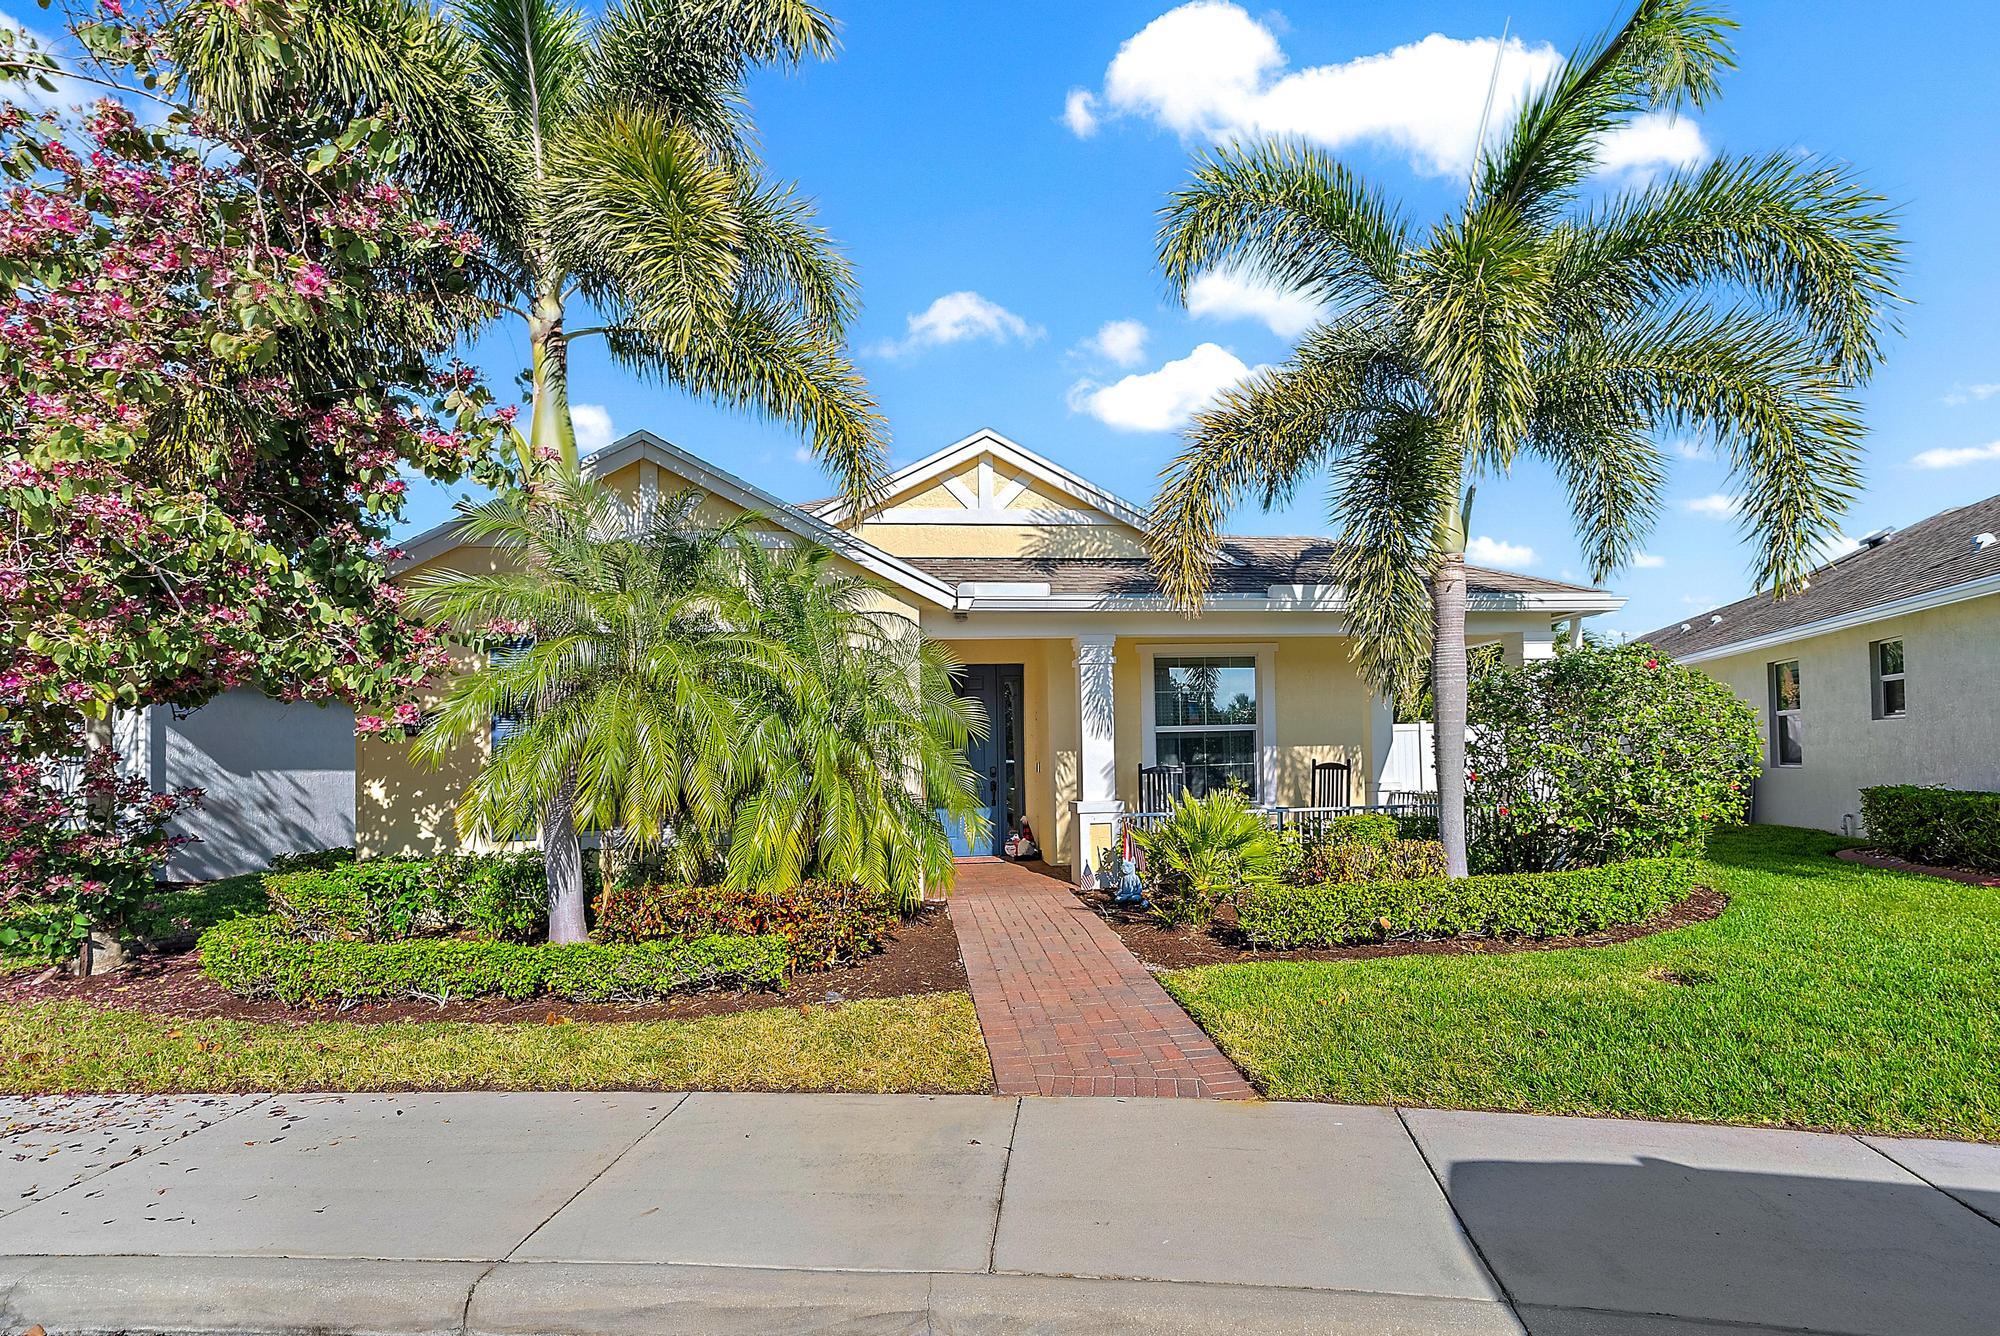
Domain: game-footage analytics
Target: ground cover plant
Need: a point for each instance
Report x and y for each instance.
(929, 1043)
(823, 924)
(1828, 994)
(1942, 827)
(1519, 904)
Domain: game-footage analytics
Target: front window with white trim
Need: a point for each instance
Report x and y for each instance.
(1787, 715)
(1205, 720)
(1887, 661)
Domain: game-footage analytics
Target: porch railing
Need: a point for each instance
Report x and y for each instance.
(1309, 819)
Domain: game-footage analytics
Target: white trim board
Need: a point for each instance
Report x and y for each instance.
(1116, 509)
(645, 446)
(1880, 612)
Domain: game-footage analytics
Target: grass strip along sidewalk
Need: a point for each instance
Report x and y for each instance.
(1827, 995)
(928, 1043)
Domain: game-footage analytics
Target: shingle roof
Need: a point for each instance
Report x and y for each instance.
(1259, 564)
(1928, 556)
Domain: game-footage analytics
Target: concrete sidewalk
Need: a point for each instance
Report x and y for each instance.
(615, 1213)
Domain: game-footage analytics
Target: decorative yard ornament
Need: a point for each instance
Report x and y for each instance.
(1130, 890)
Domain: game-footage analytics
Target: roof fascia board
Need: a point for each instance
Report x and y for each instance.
(1936, 598)
(645, 445)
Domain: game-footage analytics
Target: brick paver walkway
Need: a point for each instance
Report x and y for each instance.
(1066, 1009)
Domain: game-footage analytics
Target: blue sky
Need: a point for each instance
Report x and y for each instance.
(940, 152)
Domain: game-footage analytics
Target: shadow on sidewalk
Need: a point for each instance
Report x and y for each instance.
(1791, 1251)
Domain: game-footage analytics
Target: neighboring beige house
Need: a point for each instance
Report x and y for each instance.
(1886, 670)
(1039, 583)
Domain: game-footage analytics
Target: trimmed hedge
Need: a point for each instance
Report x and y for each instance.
(822, 923)
(253, 957)
(1318, 862)
(500, 897)
(1942, 827)
(1518, 904)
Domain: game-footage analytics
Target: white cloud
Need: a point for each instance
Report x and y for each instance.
(1161, 400)
(1080, 112)
(1484, 551)
(1967, 394)
(802, 455)
(593, 427)
(1957, 457)
(1646, 143)
(1229, 295)
(1646, 561)
(1834, 547)
(1693, 450)
(1119, 342)
(68, 92)
(958, 317)
(1716, 505)
(1208, 70)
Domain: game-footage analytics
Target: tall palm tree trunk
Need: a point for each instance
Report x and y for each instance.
(1448, 704)
(562, 854)
(551, 434)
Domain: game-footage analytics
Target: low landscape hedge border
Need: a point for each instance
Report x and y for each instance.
(252, 957)
(1517, 904)
(1942, 827)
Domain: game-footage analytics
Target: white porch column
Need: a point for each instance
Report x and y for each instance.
(1381, 740)
(1097, 806)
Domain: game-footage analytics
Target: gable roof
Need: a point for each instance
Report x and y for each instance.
(640, 445)
(1299, 569)
(1930, 563)
(943, 464)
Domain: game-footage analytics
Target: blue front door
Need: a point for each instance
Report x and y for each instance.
(995, 759)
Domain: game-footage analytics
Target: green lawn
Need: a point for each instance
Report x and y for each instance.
(1827, 995)
(928, 1043)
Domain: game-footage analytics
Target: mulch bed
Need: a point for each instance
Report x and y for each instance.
(1891, 863)
(921, 957)
(1162, 948)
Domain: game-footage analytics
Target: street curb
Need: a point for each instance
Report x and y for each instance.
(241, 1296)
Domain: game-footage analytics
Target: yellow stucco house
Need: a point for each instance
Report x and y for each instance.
(1102, 695)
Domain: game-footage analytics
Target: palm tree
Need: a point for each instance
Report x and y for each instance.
(626, 662)
(848, 765)
(1743, 300)
(607, 160)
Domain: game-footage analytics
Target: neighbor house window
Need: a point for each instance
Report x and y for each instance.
(1787, 744)
(1205, 720)
(1887, 665)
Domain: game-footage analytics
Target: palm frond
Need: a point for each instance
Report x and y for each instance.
(1667, 54)
(1288, 212)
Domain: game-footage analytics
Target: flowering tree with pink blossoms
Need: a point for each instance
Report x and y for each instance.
(222, 354)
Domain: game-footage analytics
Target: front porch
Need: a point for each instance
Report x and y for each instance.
(1094, 731)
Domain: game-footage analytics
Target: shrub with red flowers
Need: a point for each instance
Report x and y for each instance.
(79, 844)
(1601, 754)
(221, 358)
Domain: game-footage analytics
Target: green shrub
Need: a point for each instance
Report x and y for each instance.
(1417, 826)
(1308, 857)
(1207, 849)
(500, 897)
(254, 957)
(1601, 754)
(1517, 904)
(316, 860)
(822, 924)
(1942, 827)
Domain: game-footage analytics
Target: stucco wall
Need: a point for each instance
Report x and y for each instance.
(278, 778)
(1950, 734)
